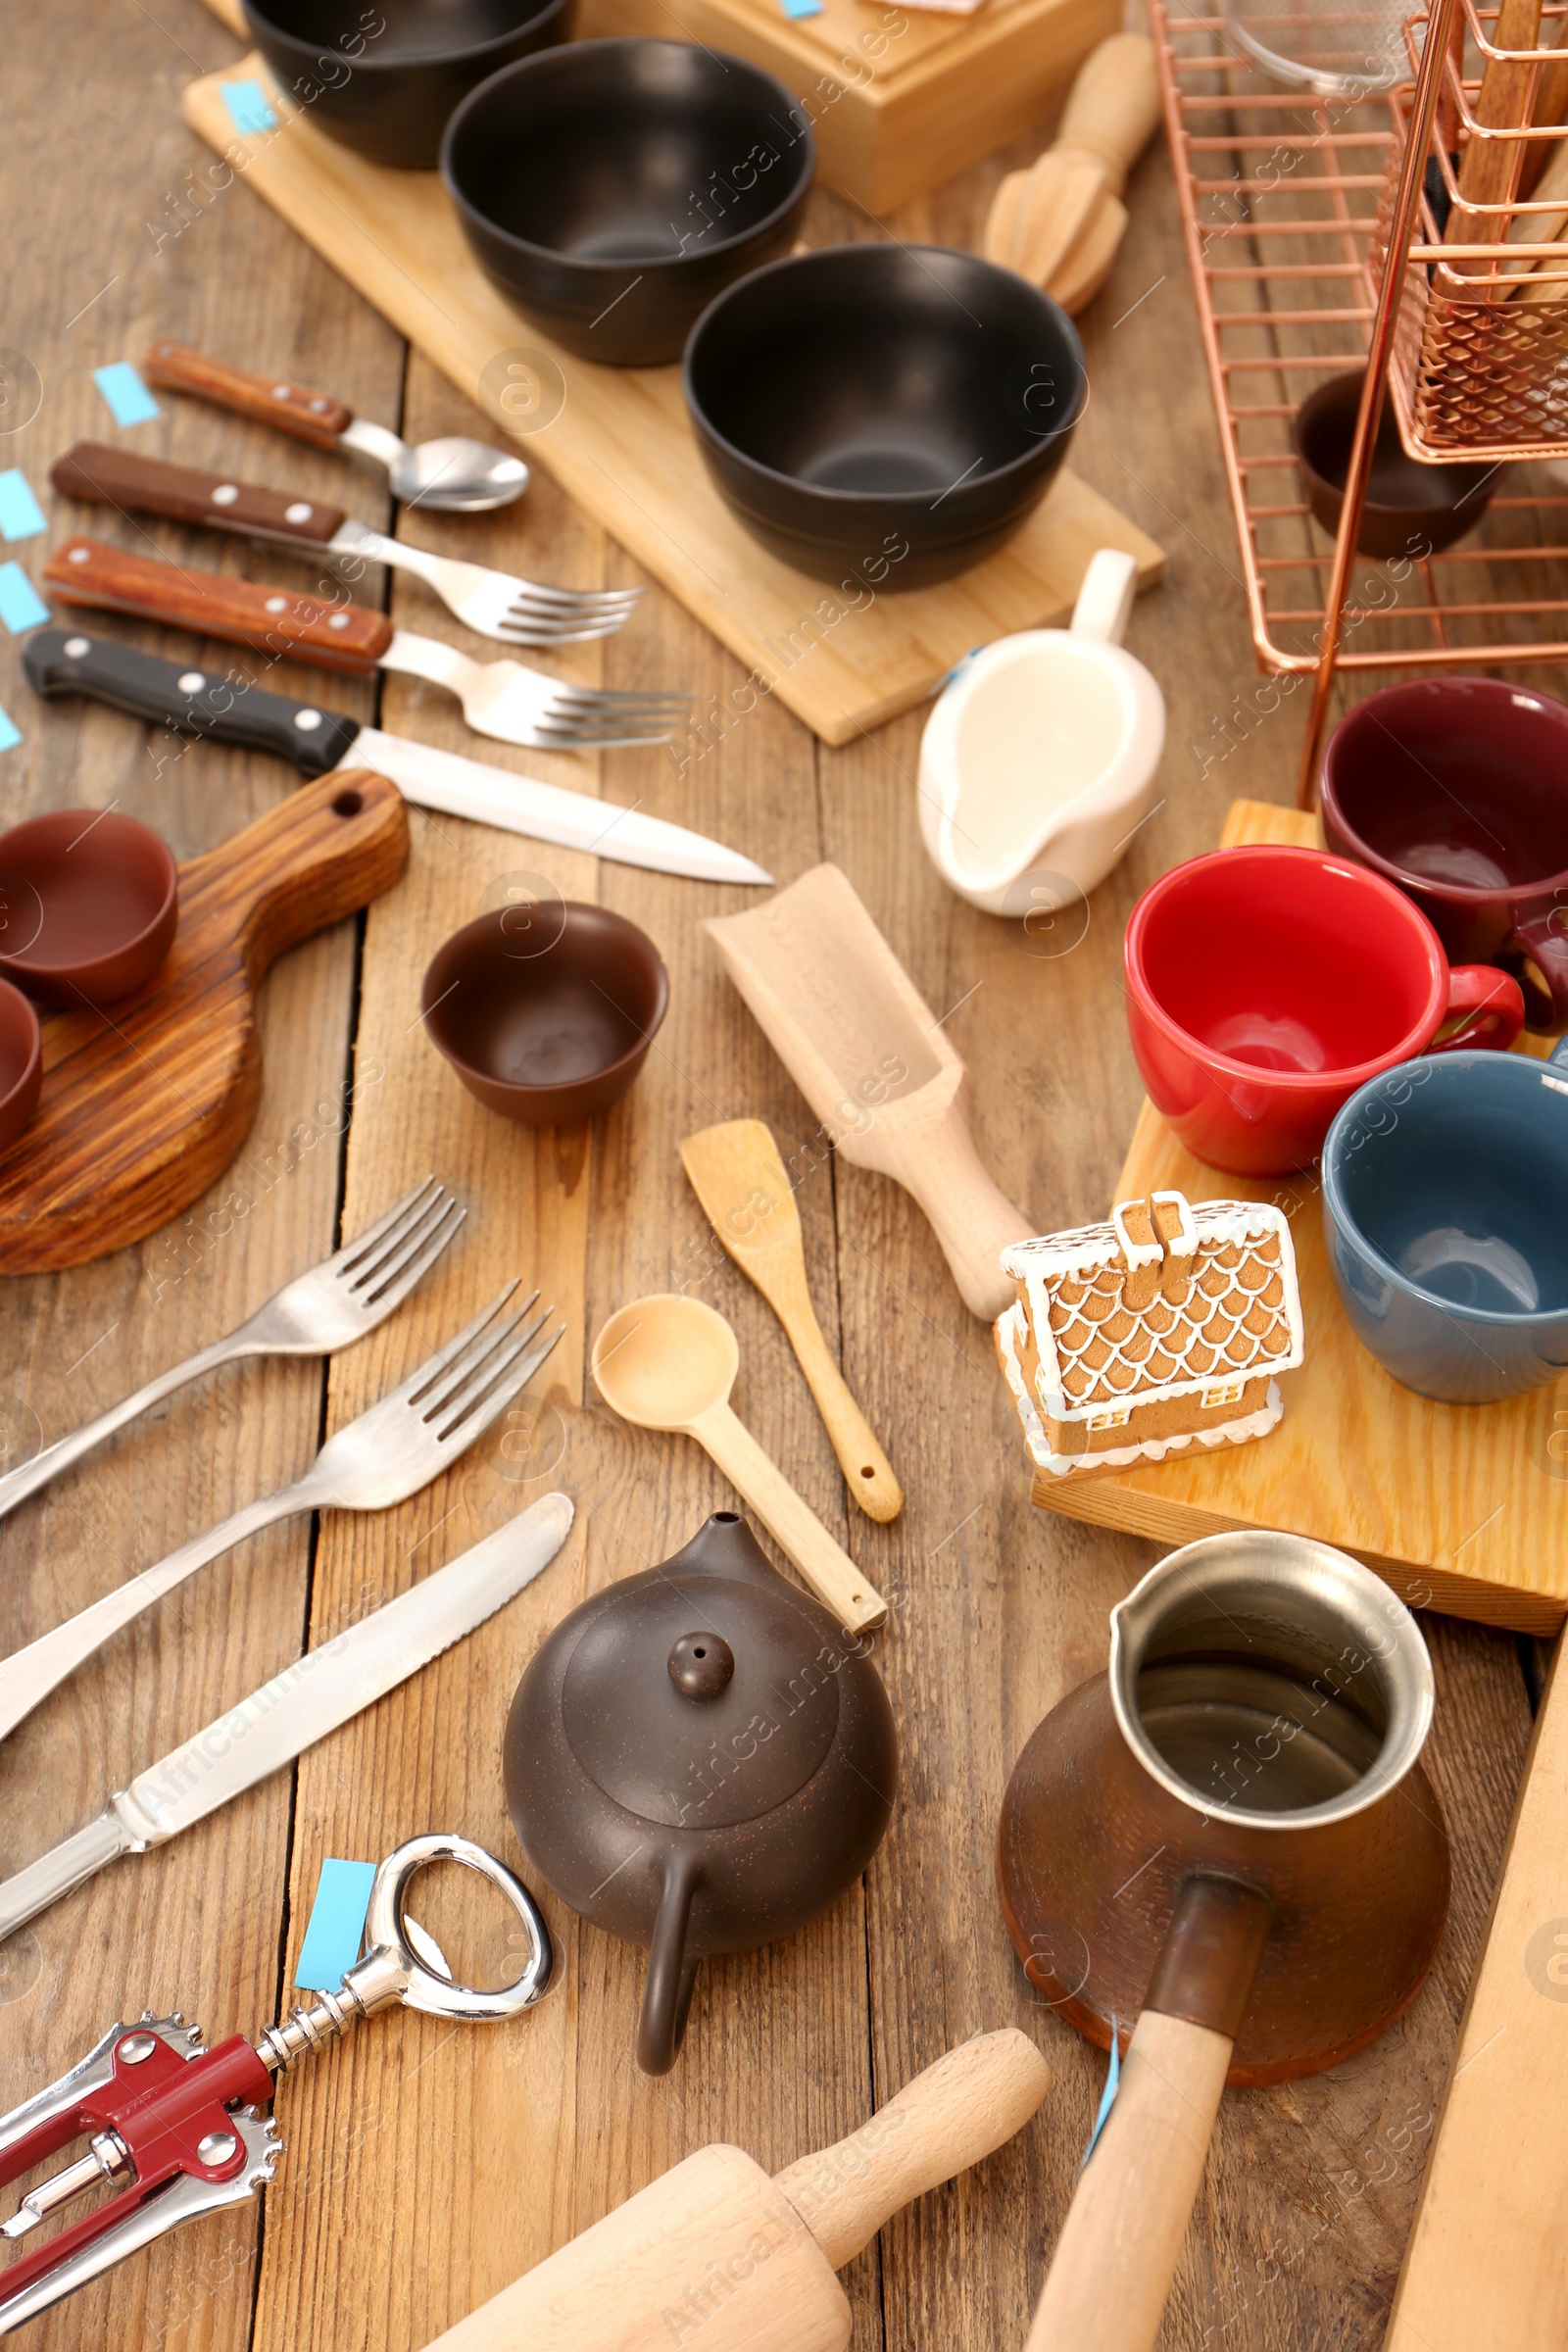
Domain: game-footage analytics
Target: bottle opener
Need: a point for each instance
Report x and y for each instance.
(175, 2128)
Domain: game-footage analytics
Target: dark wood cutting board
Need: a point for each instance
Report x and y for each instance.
(147, 1100)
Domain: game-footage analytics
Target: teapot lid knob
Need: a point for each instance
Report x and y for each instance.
(701, 1665)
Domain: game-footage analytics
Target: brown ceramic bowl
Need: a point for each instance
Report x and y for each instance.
(550, 1022)
(89, 904)
(1412, 508)
(21, 1062)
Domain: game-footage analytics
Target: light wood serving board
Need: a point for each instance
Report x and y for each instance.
(145, 1102)
(1460, 1507)
(622, 445)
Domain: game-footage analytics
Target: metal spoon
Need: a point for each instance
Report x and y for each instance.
(455, 473)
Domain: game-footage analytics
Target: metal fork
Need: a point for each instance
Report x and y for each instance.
(387, 1455)
(495, 603)
(335, 1303)
(528, 707)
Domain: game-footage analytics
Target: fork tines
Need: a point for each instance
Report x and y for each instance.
(402, 1246)
(481, 1370)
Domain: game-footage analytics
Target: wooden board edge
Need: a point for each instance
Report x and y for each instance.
(1162, 1519)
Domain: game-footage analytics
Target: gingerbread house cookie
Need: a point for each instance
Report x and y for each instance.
(1163, 1328)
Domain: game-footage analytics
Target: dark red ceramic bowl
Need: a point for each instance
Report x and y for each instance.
(21, 1062)
(547, 1017)
(89, 904)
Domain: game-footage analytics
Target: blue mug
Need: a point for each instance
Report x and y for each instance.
(1445, 1211)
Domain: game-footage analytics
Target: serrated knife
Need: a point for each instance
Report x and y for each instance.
(315, 1695)
(196, 703)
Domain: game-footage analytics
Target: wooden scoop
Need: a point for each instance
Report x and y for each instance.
(667, 1362)
(865, 1049)
(1061, 222)
(145, 1104)
(717, 2256)
(738, 1176)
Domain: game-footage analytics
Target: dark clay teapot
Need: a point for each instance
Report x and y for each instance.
(699, 1760)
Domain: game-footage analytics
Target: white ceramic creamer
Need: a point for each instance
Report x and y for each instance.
(1041, 756)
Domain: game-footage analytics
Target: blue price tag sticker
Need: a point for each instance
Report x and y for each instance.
(337, 1925)
(20, 516)
(125, 396)
(20, 605)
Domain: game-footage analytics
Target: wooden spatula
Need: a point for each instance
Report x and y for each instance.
(144, 1104)
(1061, 222)
(1487, 168)
(865, 1050)
(739, 1178)
(717, 2256)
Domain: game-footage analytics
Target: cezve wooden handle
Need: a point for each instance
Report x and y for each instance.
(266, 399)
(272, 620)
(118, 477)
(717, 2256)
(738, 1176)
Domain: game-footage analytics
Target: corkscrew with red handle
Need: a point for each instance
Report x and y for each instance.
(174, 2127)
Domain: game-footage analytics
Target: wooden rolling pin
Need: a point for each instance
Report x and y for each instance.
(1061, 222)
(717, 2255)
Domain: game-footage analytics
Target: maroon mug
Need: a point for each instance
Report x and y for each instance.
(1457, 789)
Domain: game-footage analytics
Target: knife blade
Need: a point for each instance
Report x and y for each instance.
(318, 1693)
(196, 703)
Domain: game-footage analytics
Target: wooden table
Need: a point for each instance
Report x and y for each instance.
(426, 2166)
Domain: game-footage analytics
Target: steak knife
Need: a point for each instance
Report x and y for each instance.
(326, 1688)
(195, 703)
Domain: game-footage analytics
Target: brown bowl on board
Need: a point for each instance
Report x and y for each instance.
(547, 1017)
(89, 904)
(21, 1062)
(1412, 508)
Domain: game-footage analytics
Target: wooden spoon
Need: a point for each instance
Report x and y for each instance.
(667, 1362)
(737, 1175)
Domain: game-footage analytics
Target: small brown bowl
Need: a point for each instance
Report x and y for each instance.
(546, 1033)
(1412, 508)
(21, 1062)
(89, 904)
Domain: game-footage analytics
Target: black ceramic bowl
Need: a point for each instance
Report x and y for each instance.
(388, 94)
(885, 411)
(612, 188)
(1412, 508)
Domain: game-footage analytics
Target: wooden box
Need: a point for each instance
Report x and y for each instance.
(900, 98)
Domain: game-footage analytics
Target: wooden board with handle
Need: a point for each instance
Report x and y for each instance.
(147, 1100)
(716, 2253)
(870, 1057)
(1484, 2269)
(1462, 1507)
(619, 440)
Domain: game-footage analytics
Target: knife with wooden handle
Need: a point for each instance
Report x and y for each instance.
(118, 477)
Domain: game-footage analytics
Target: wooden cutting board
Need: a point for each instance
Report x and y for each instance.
(1460, 1507)
(622, 444)
(146, 1103)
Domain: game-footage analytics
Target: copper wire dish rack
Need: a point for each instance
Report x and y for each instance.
(1280, 192)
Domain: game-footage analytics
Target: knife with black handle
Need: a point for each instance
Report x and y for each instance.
(196, 703)
(190, 701)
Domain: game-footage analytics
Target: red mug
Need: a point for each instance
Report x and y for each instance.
(1265, 985)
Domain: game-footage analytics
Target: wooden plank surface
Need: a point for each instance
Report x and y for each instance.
(1453, 1505)
(425, 2165)
(621, 441)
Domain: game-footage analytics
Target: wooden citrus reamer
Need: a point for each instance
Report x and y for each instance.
(1061, 221)
(716, 2254)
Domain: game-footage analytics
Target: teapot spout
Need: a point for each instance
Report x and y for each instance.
(672, 1976)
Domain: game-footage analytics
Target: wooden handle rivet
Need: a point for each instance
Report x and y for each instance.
(278, 603)
(307, 721)
(280, 391)
(340, 620)
(225, 494)
(77, 555)
(74, 648)
(299, 512)
(319, 406)
(190, 682)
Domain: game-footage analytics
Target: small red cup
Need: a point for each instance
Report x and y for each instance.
(1265, 985)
